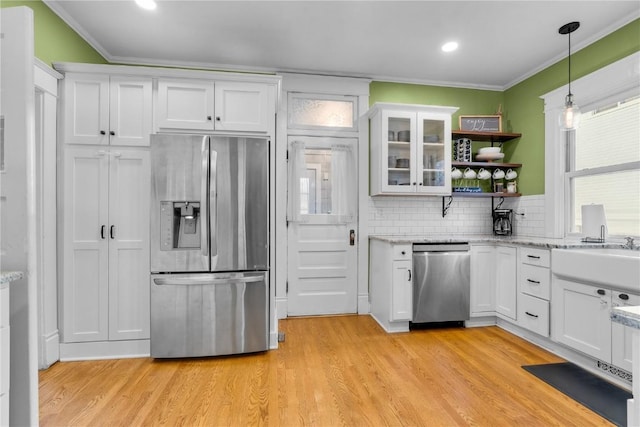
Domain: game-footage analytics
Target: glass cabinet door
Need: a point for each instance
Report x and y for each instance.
(399, 133)
(432, 160)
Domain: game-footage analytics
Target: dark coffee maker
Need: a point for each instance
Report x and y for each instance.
(502, 222)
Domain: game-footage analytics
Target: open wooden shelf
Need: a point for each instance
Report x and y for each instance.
(485, 136)
(463, 194)
(486, 164)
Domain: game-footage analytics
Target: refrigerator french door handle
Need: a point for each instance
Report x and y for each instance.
(204, 215)
(200, 280)
(213, 207)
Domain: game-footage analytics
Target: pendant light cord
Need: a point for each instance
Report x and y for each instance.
(570, 64)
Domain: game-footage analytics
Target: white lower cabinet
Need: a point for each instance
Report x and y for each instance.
(622, 336)
(506, 282)
(105, 244)
(483, 273)
(534, 289)
(580, 317)
(391, 285)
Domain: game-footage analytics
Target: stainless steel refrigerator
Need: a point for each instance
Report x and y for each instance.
(209, 245)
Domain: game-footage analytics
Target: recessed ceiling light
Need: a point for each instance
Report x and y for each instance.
(146, 4)
(449, 46)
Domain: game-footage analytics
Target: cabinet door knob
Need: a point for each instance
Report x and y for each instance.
(218, 118)
(102, 231)
(601, 292)
(623, 296)
(112, 230)
(102, 132)
(112, 133)
(409, 275)
(209, 118)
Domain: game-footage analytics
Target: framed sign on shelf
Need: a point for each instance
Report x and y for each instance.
(490, 123)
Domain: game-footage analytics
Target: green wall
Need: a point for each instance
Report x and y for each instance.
(54, 40)
(523, 110)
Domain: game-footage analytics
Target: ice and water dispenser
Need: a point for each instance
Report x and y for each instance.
(180, 225)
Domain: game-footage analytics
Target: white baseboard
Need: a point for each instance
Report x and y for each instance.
(392, 327)
(50, 345)
(104, 350)
(363, 304)
(477, 322)
(281, 307)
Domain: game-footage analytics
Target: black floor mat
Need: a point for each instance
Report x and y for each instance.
(601, 396)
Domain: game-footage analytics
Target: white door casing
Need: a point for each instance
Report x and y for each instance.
(322, 273)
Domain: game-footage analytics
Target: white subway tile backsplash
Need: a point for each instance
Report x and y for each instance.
(423, 215)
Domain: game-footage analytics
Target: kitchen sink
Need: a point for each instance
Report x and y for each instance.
(613, 267)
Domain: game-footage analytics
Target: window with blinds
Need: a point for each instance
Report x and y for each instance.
(604, 166)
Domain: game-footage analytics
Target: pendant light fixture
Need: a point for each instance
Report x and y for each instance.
(570, 116)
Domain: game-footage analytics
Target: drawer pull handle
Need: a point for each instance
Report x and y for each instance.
(601, 292)
(532, 315)
(623, 296)
(533, 256)
(533, 281)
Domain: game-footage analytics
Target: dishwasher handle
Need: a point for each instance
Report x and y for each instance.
(440, 247)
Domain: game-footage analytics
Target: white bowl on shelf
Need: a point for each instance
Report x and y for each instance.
(486, 150)
(483, 157)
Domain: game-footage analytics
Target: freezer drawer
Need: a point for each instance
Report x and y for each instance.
(194, 315)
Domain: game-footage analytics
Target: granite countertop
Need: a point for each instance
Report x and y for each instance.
(490, 238)
(9, 276)
(628, 316)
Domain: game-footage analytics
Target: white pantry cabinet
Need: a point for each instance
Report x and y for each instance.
(410, 149)
(506, 282)
(207, 105)
(483, 273)
(105, 244)
(107, 110)
(391, 288)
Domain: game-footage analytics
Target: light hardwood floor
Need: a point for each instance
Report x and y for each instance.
(330, 371)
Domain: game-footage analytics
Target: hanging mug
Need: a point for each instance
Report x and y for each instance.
(469, 174)
(456, 173)
(498, 174)
(511, 174)
(484, 174)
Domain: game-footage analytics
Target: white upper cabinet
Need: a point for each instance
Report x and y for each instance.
(410, 149)
(243, 106)
(103, 110)
(205, 105)
(185, 104)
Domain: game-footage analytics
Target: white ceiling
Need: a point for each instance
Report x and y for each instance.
(501, 42)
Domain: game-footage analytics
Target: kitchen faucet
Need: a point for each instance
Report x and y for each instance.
(629, 244)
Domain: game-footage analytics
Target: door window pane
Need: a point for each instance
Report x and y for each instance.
(321, 112)
(315, 185)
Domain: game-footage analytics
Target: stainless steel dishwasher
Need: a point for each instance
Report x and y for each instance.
(441, 282)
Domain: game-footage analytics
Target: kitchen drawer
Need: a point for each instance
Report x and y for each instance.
(4, 359)
(535, 281)
(401, 252)
(4, 307)
(534, 256)
(533, 314)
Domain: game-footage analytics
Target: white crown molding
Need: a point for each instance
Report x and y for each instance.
(54, 6)
(75, 26)
(587, 42)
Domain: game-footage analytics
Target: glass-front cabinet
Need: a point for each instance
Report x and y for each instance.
(410, 149)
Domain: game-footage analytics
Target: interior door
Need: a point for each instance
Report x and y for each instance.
(322, 251)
